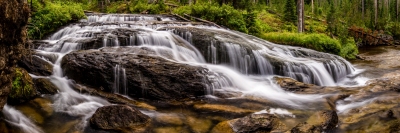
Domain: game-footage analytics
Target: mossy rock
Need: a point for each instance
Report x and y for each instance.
(22, 87)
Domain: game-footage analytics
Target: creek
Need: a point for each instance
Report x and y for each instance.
(235, 71)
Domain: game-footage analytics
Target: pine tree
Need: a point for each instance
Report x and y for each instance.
(290, 12)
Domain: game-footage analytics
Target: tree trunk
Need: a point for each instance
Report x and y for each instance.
(312, 7)
(300, 15)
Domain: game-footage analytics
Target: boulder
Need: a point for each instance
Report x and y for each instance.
(36, 65)
(119, 117)
(44, 86)
(147, 76)
(258, 123)
(22, 88)
(254, 123)
(321, 121)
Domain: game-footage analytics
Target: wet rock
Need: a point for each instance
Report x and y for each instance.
(170, 130)
(222, 109)
(119, 117)
(199, 125)
(35, 65)
(293, 85)
(254, 123)
(169, 119)
(44, 86)
(23, 89)
(147, 76)
(44, 106)
(222, 127)
(321, 121)
(258, 123)
(31, 113)
(112, 98)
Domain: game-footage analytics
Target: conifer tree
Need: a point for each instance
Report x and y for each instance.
(290, 12)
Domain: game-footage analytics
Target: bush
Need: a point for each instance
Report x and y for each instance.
(224, 15)
(140, 6)
(49, 16)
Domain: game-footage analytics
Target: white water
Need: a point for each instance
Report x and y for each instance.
(246, 67)
(16, 118)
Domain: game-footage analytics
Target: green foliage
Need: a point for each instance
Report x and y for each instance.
(223, 15)
(319, 42)
(49, 16)
(290, 13)
(226, 15)
(140, 6)
(20, 87)
(349, 48)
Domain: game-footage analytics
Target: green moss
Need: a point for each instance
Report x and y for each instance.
(21, 86)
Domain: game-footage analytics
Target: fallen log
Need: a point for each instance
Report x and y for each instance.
(202, 20)
(179, 16)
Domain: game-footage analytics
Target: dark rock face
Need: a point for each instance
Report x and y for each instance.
(44, 86)
(14, 17)
(321, 121)
(36, 65)
(147, 76)
(258, 123)
(119, 117)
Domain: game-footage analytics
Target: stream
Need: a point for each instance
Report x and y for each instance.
(235, 71)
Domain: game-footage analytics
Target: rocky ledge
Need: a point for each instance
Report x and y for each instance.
(134, 74)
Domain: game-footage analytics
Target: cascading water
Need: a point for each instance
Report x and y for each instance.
(120, 80)
(237, 62)
(17, 119)
(175, 41)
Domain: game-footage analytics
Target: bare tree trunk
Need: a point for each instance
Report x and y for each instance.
(300, 14)
(312, 7)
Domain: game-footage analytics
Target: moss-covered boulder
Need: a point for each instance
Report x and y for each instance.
(22, 89)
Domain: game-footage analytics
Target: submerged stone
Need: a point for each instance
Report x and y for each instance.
(120, 118)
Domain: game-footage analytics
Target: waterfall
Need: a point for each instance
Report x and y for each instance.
(120, 80)
(236, 62)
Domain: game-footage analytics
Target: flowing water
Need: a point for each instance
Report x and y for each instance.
(239, 62)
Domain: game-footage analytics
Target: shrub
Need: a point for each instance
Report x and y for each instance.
(49, 16)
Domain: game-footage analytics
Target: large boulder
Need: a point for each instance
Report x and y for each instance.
(36, 65)
(147, 76)
(120, 118)
(22, 89)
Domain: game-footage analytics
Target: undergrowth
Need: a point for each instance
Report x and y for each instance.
(49, 16)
